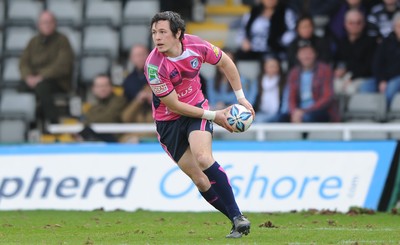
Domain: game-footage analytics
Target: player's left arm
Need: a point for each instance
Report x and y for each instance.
(232, 73)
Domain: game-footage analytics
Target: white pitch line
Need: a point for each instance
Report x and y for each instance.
(343, 229)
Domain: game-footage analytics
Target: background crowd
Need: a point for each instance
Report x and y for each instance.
(312, 56)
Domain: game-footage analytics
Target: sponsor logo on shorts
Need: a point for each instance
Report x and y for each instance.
(159, 89)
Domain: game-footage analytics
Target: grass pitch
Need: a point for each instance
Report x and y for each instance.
(144, 227)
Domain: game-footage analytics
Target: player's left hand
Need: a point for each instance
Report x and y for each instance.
(221, 119)
(244, 102)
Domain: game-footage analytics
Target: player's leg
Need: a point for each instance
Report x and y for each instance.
(190, 167)
(200, 146)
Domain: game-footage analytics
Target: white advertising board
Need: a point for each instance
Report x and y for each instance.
(275, 179)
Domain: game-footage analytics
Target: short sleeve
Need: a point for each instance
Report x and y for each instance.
(213, 54)
(159, 85)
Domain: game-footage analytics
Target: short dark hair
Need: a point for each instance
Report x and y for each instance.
(176, 23)
(103, 75)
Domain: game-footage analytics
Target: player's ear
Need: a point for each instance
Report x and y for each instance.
(178, 34)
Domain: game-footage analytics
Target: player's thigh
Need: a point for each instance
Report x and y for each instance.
(200, 145)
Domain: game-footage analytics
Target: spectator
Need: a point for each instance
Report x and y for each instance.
(135, 81)
(46, 65)
(220, 93)
(305, 31)
(380, 18)
(314, 7)
(354, 55)
(386, 63)
(311, 92)
(139, 110)
(267, 29)
(336, 23)
(107, 109)
(270, 89)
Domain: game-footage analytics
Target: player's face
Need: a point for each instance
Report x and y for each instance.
(163, 38)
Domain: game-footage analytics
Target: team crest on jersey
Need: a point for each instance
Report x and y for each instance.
(216, 51)
(194, 63)
(152, 71)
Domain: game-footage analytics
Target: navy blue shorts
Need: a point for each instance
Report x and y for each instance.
(174, 135)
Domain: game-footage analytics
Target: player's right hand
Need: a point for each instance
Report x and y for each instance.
(222, 120)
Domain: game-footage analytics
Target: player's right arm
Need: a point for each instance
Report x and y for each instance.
(181, 108)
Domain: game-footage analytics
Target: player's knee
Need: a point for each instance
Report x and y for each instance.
(204, 160)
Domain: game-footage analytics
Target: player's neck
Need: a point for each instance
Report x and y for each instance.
(175, 51)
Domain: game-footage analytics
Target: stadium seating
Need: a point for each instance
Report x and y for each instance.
(208, 71)
(366, 106)
(249, 69)
(394, 109)
(17, 39)
(2, 14)
(18, 105)
(100, 40)
(230, 41)
(140, 11)
(74, 37)
(1, 45)
(134, 34)
(10, 73)
(92, 66)
(12, 131)
(23, 12)
(104, 13)
(67, 12)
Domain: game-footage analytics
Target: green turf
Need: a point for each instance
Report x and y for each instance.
(143, 227)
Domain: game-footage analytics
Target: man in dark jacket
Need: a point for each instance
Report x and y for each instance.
(46, 65)
(387, 62)
(354, 55)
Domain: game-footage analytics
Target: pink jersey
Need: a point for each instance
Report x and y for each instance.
(165, 74)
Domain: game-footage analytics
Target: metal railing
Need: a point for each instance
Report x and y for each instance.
(259, 130)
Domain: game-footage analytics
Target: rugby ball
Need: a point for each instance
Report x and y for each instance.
(239, 118)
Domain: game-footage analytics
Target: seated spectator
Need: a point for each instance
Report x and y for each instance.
(305, 31)
(46, 66)
(220, 93)
(139, 110)
(135, 80)
(106, 109)
(270, 87)
(314, 7)
(386, 64)
(311, 93)
(354, 55)
(267, 29)
(380, 18)
(336, 23)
